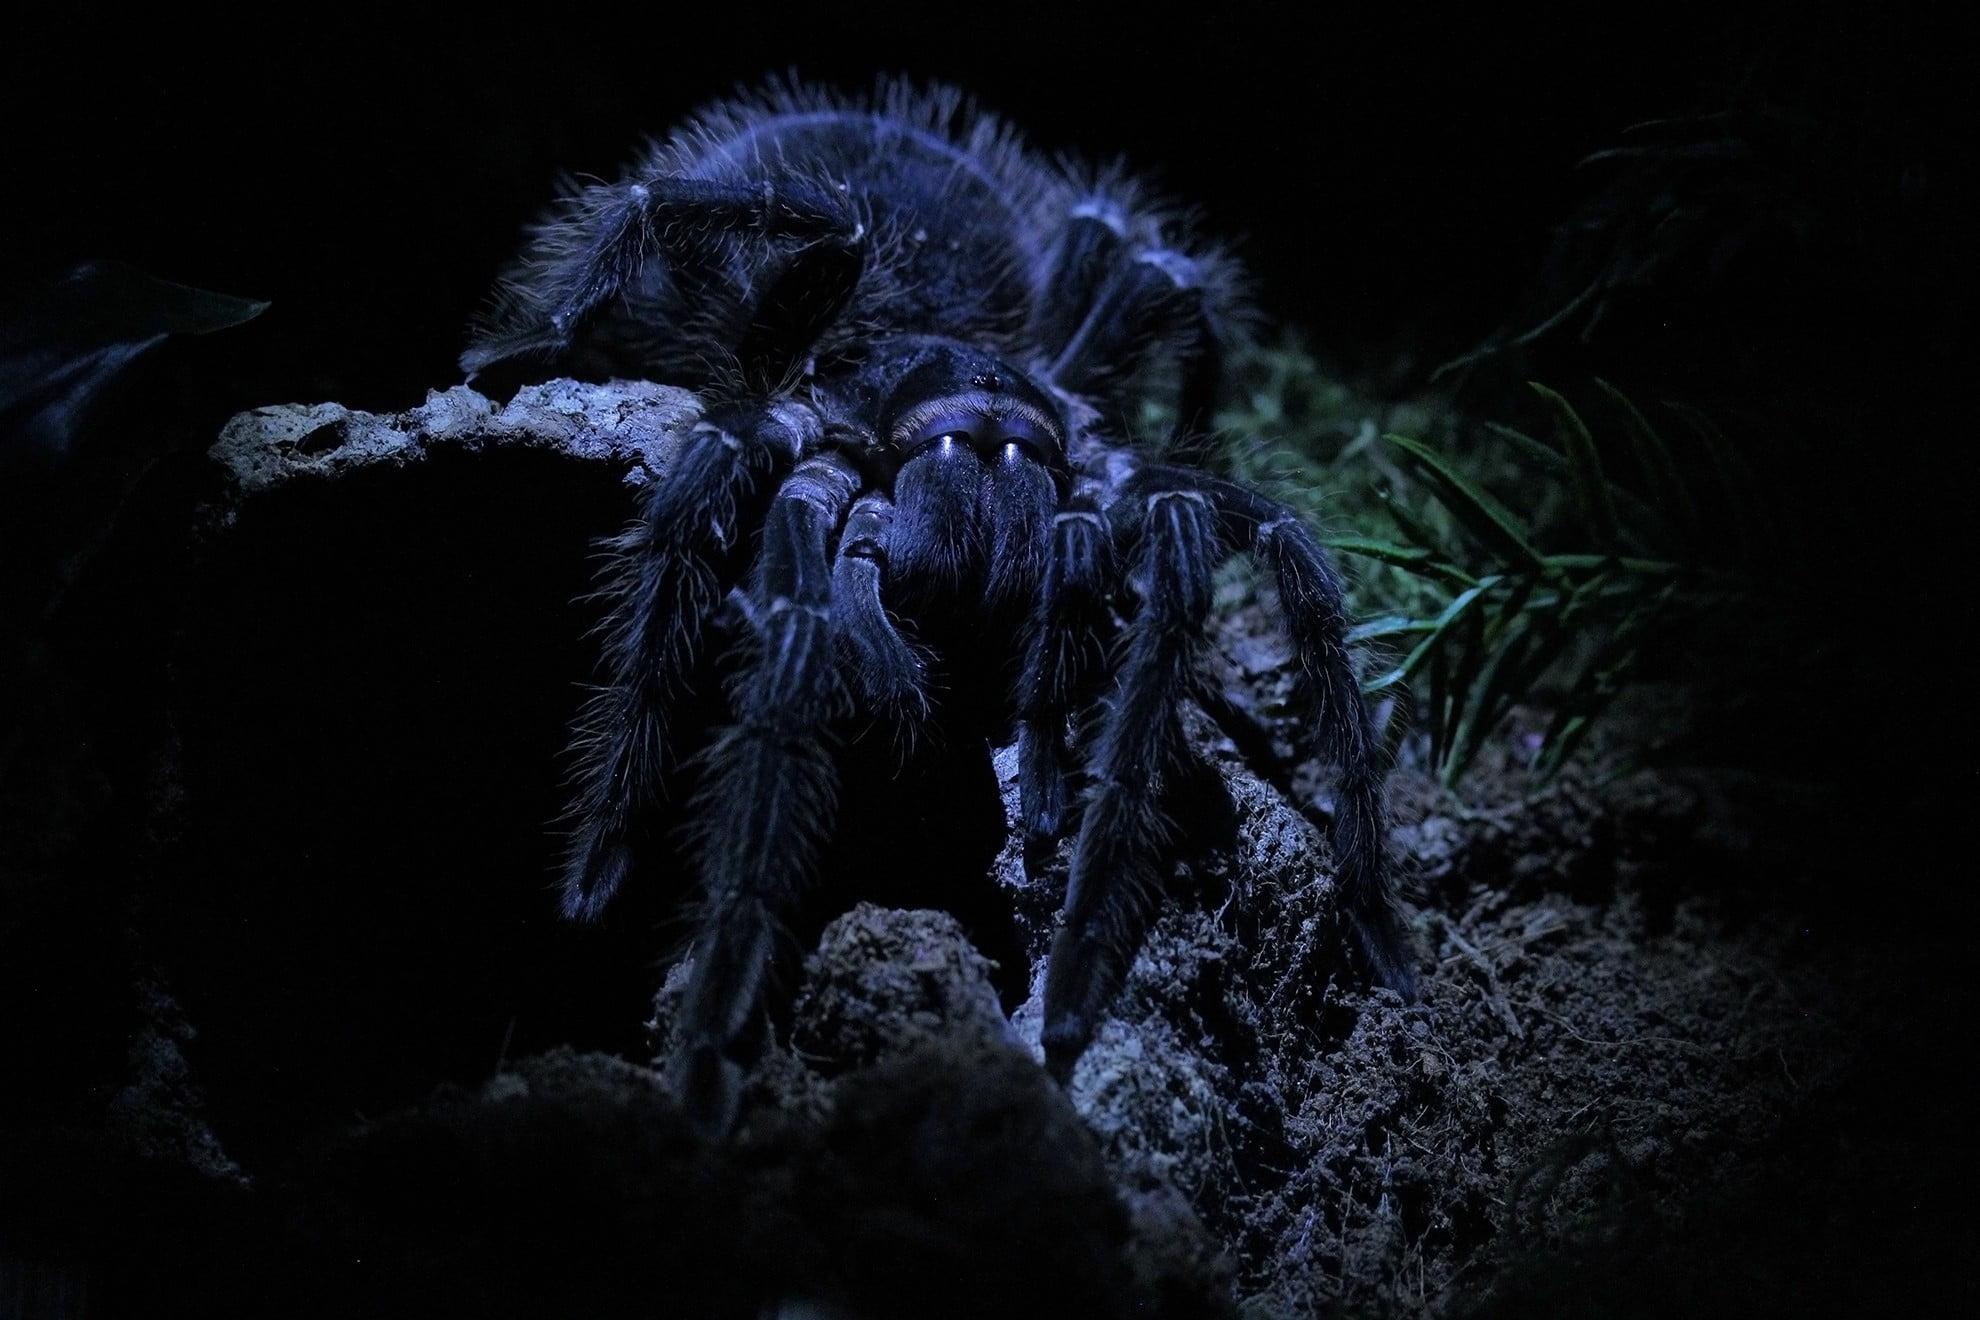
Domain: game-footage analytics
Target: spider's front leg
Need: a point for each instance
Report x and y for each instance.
(669, 579)
(889, 673)
(1139, 754)
(769, 788)
(1312, 599)
(1184, 521)
(1065, 648)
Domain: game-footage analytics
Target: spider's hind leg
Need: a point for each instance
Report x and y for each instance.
(601, 239)
(1111, 299)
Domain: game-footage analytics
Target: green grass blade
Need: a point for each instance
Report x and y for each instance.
(1538, 452)
(1486, 693)
(1585, 478)
(1411, 526)
(1422, 561)
(1567, 565)
(1465, 651)
(1481, 514)
(1745, 508)
(1387, 628)
(1600, 680)
(1587, 595)
(1403, 556)
(1464, 603)
(1669, 495)
(1560, 743)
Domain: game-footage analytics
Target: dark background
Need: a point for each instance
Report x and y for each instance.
(1393, 175)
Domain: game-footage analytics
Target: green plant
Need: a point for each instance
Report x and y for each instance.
(1615, 554)
(1569, 597)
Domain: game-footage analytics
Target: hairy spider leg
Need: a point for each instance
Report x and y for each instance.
(1016, 504)
(769, 787)
(1065, 649)
(627, 224)
(1089, 246)
(1138, 753)
(1112, 301)
(676, 561)
(888, 673)
(668, 582)
(1103, 305)
(1311, 598)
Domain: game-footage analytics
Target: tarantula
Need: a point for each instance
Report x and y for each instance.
(912, 338)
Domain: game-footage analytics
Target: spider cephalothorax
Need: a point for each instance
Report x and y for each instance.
(912, 339)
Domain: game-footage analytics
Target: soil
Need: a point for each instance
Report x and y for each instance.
(300, 1035)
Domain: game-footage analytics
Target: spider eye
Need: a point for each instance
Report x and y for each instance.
(951, 429)
(989, 427)
(1021, 431)
(1031, 440)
